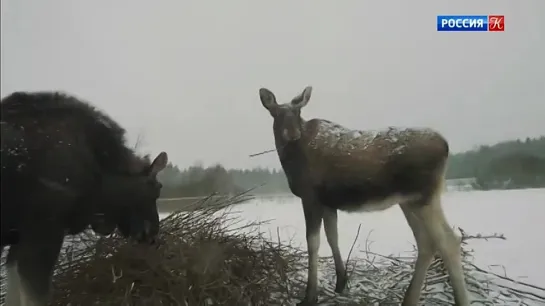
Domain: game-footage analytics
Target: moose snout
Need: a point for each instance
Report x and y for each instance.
(291, 134)
(148, 233)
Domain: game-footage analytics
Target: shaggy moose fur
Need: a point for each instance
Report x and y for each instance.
(65, 166)
(333, 168)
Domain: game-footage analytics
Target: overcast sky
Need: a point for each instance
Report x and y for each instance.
(186, 74)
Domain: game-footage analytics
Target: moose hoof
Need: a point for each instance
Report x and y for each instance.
(308, 302)
(340, 285)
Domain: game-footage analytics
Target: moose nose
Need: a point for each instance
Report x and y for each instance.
(143, 234)
(291, 135)
(150, 232)
(147, 228)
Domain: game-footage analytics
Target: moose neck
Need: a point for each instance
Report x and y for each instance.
(292, 158)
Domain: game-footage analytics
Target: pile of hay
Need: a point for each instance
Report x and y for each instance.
(207, 257)
(202, 259)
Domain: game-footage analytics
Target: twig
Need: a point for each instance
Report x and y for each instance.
(261, 153)
(115, 277)
(350, 252)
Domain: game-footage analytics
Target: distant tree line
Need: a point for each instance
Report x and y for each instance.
(505, 165)
(198, 181)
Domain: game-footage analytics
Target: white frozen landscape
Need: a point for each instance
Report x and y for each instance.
(517, 214)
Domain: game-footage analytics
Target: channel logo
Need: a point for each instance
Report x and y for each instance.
(470, 23)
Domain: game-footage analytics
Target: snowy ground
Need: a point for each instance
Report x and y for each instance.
(518, 214)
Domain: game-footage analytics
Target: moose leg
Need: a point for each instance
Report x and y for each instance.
(36, 258)
(13, 295)
(332, 235)
(313, 221)
(448, 244)
(426, 251)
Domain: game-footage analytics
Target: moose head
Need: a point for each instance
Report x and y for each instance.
(129, 202)
(288, 123)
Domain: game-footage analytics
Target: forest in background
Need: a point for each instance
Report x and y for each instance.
(505, 165)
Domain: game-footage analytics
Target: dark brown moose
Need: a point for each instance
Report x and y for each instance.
(333, 168)
(65, 167)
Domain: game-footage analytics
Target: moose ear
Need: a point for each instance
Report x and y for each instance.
(267, 99)
(302, 99)
(159, 163)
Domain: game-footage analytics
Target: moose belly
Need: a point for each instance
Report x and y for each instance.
(354, 199)
(377, 205)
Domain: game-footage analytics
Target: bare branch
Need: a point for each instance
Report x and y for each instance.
(261, 153)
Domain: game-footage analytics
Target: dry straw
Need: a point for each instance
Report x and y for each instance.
(207, 256)
(204, 258)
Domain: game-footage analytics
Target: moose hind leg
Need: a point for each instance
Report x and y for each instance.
(332, 235)
(448, 244)
(35, 265)
(426, 252)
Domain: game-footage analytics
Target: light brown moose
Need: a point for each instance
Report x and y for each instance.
(333, 168)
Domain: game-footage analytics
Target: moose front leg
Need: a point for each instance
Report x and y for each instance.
(332, 235)
(36, 258)
(313, 221)
(13, 295)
